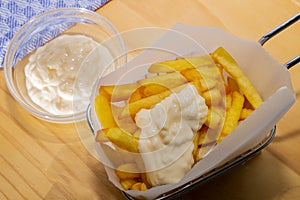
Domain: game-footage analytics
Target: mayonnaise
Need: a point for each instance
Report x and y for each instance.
(60, 74)
(167, 131)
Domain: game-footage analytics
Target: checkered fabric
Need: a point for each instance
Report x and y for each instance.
(15, 13)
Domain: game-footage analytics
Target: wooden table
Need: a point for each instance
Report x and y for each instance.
(41, 160)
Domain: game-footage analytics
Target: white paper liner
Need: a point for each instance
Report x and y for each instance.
(268, 76)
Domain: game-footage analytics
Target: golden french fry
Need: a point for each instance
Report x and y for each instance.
(208, 84)
(250, 93)
(136, 186)
(143, 187)
(206, 141)
(220, 68)
(127, 183)
(169, 66)
(228, 101)
(213, 119)
(198, 86)
(200, 73)
(245, 113)
(119, 92)
(169, 80)
(212, 97)
(221, 56)
(132, 108)
(120, 138)
(200, 61)
(151, 89)
(207, 137)
(146, 91)
(139, 186)
(202, 134)
(191, 74)
(104, 112)
(126, 124)
(136, 95)
(128, 171)
(195, 141)
(233, 114)
(180, 64)
(210, 72)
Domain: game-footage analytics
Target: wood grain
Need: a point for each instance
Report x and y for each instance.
(41, 160)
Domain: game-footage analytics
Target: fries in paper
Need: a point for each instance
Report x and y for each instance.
(228, 93)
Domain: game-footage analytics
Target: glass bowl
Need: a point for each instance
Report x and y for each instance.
(30, 76)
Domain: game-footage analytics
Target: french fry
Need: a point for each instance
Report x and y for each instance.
(151, 89)
(136, 95)
(202, 134)
(212, 97)
(213, 119)
(143, 187)
(139, 186)
(126, 124)
(132, 108)
(104, 112)
(228, 101)
(180, 64)
(169, 80)
(202, 72)
(233, 114)
(250, 92)
(193, 75)
(245, 113)
(120, 138)
(222, 57)
(195, 142)
(127, 183)
(146, 91)
(128, 171)
(148, 102)
(207, 138)
(198, 86)
(119, 92)
(170, 66)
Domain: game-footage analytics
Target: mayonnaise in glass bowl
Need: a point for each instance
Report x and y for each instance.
(53, 61)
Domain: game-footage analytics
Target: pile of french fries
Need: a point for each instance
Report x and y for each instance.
(228, 93)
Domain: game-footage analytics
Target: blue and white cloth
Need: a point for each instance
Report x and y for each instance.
(15, 13)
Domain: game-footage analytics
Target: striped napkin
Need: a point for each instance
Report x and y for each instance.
(15, 13)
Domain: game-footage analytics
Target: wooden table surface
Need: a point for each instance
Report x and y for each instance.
(41, 160)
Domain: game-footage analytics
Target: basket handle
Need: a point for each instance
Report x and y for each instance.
(277, 30)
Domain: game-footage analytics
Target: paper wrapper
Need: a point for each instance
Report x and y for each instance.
(268, 76)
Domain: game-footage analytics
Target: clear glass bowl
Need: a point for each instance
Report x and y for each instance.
(41, 30)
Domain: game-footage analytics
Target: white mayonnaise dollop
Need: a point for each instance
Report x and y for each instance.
(60, 74)
(167, 131)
